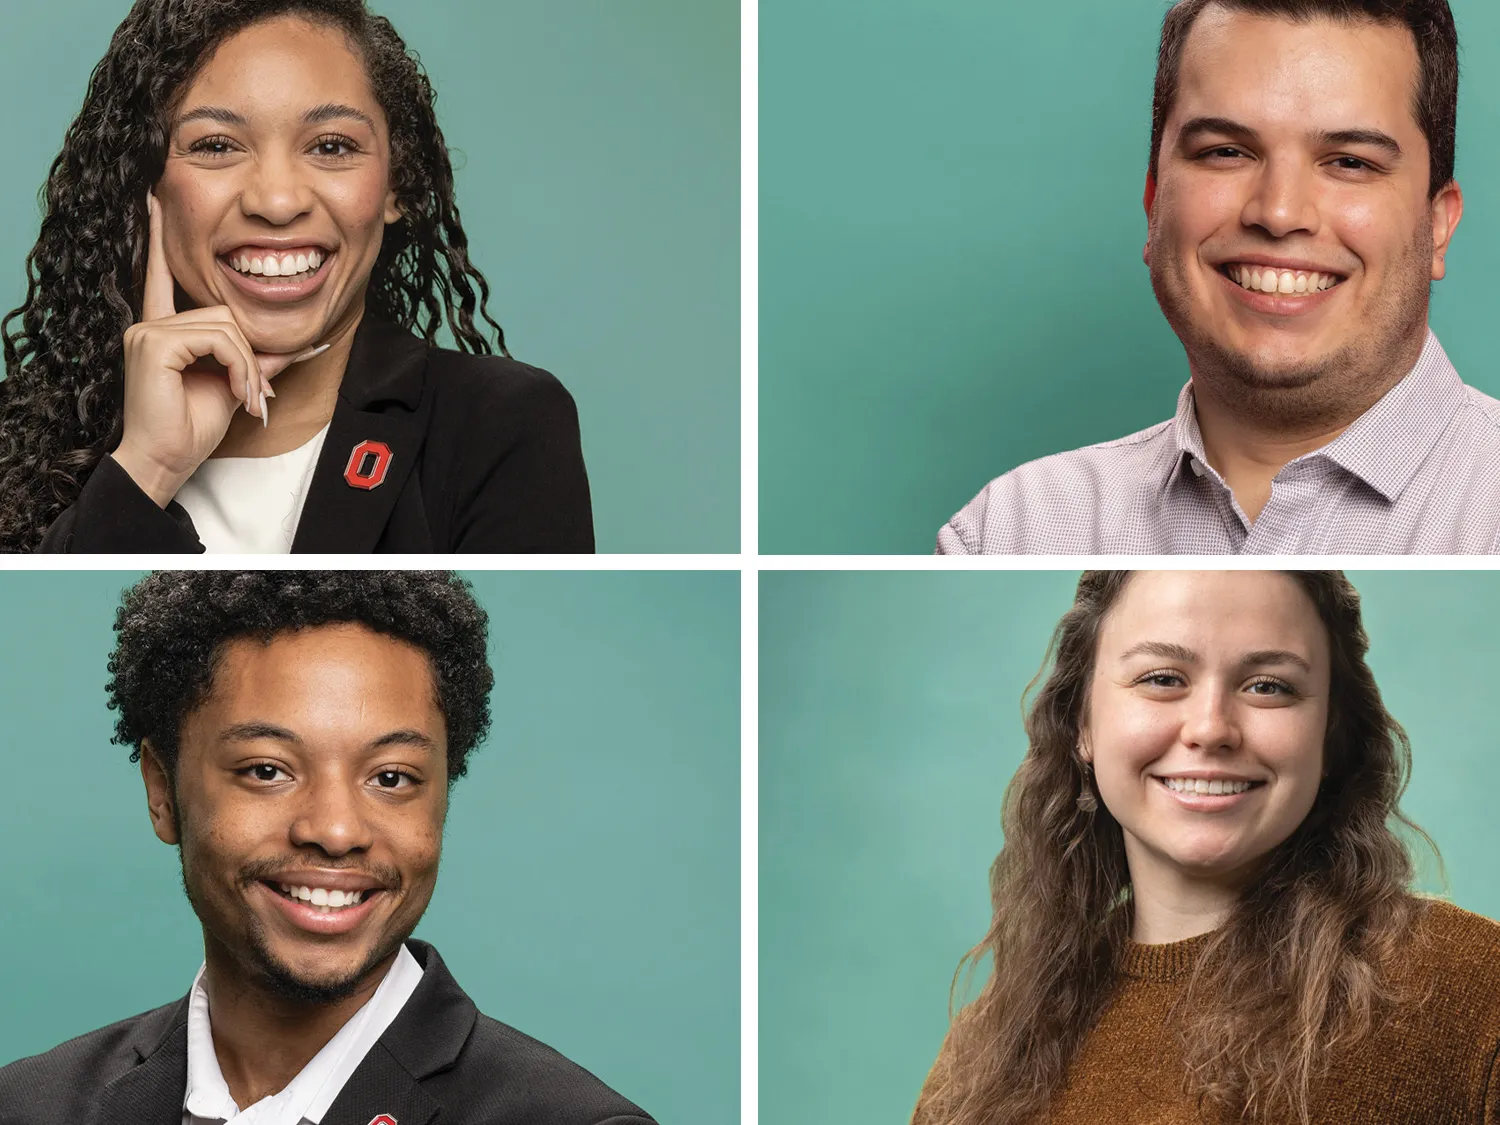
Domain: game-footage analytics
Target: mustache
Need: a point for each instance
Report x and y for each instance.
(264, 870)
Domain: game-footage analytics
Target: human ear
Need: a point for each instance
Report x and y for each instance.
(1148, 200)
(160, 798)
(1447, 209)
(1085, 751)
(392, 209)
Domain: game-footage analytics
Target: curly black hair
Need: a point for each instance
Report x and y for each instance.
(62, 400)
(172, 627)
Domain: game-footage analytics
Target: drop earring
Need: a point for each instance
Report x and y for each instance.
(1087, 802)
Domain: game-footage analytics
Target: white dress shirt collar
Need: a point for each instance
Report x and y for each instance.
(307, 1097)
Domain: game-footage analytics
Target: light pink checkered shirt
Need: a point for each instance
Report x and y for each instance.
(1417, 473)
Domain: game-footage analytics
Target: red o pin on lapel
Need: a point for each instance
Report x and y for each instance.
(383, 1119)
(368, 464)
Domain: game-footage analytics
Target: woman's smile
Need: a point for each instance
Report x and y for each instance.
(278, 276)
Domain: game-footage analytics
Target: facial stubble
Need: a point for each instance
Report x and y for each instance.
(1324, 392)
(256, 959)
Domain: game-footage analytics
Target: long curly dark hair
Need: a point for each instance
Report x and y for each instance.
(61, 403)
(1304, 965)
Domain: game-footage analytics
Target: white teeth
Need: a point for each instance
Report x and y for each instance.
(1199, 786)
(323, 898)
(271, 266)
(1259, 280)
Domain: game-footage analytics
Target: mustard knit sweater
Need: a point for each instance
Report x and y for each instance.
(1432, 1065)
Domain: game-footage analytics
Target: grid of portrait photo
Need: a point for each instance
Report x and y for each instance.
(749, 562)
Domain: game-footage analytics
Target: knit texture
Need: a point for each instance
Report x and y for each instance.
(1433, 1063)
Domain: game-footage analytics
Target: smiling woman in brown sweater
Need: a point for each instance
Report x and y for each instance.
(1201, 914)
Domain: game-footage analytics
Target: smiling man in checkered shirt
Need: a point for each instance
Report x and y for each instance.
(1300, 202)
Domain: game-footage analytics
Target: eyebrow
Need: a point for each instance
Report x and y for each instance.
(259, 731)
(1257, 659)
(318, 115)
(1224, 126)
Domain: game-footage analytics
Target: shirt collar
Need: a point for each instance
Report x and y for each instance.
(1384, 447)
(1189, 440)
(308, 1096)
(1387, 444)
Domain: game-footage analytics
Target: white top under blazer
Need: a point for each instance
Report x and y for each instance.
(251, 505)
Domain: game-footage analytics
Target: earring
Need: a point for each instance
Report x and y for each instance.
(1087, 802)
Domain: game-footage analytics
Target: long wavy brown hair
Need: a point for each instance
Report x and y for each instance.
(1300, 968)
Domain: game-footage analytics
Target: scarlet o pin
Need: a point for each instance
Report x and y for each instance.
(383, 1119)
(368, 464)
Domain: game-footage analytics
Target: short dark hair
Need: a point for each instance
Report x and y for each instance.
(1435, 100)
(172, 628)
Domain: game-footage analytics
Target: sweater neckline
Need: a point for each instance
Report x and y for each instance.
(1162, 962)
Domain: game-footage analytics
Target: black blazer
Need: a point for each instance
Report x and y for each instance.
(440, 1059)
(484, 455)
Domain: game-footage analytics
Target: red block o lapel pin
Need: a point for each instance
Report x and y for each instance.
(368, 464)
(383, 1119)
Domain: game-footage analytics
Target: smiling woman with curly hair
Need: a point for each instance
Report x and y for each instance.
(249, 243)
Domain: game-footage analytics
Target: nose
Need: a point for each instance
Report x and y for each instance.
(1283, 199)
(275, 189)
(1209, 722)
(329, 817)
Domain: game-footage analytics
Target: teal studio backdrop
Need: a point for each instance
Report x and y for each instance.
(597, 155)
(890, 724)
(950, 251)
(589, 891)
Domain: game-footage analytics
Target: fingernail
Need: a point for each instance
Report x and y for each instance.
(265, 389)
(311, 352)
(265, 417)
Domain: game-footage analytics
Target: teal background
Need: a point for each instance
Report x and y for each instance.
(589, 891)
(890, 723)
(950, 251)
(597, 154)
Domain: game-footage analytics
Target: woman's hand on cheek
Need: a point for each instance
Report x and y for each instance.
(185, 375)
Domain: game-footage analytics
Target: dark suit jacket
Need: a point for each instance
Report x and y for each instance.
(485, 456)
(440, 1060)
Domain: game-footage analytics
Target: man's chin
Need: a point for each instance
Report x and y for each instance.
(287, 983)
(315, 984)
(1271, 369)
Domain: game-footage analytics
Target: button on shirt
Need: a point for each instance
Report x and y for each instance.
(307, 1097)
(1417, 473)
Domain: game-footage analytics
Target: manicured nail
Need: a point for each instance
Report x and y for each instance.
(311, 352)
(265, 418)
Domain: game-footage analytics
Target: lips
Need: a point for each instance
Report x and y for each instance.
(277, 290)
(1278, 304)
(1208, 802)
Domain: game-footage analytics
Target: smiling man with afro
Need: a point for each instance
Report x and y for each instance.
(298, 733)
